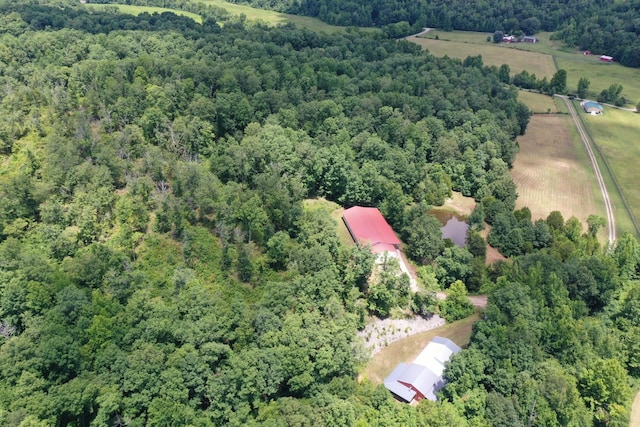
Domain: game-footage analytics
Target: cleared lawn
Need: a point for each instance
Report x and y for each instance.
(137, 10)
(540, 64)
(405, 350)
(538, 103)
(616, 134)
(552, 171)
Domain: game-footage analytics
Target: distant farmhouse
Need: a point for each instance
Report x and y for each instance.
(513, 39)
(605, 58)
(591, 107)
(422, 378)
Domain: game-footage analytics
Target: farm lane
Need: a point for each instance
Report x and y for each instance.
(611, 226)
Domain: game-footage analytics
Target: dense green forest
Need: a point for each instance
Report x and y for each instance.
(161, 262)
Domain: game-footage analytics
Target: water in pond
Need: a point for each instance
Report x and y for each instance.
(454, 227)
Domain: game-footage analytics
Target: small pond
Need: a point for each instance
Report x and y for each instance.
(454, 226)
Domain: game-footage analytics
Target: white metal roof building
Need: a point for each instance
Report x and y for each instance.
(422, 378)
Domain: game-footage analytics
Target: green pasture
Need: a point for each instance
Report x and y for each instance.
(137, 10)
(473, 44)
(538, 103)
(616, 134)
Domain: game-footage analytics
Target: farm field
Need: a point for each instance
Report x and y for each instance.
(616, 135)
(405, 350)
(551, 170)
(539, 103)
(137, 10)
(601, 75)
(538, 63)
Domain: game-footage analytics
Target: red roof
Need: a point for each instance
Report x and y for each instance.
(368, 227)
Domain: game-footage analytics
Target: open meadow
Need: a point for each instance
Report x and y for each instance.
(616, 135)
(406, 349)
(137, 10)
(552, 171)
(267, 17)
(492, 54)
(539, 103)
(272, 18)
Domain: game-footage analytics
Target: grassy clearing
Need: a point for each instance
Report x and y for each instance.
(459, 204)
(272, 18)
(459, 44)
(538, 103)
(137, 10)
(343, 232)
(552, 168)
(616, 134)
(405, 350)
(601, 75)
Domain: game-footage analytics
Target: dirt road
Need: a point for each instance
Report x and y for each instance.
(611, 222)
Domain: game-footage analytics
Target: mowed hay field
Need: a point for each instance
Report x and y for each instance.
(540, 64)
(137, 10)
(616, 135)
(539, 103)
(552, 171)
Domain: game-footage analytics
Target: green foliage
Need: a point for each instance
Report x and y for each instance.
(391, 288)
(422, 234)
(456, 305)
(583, 87)
(159, 263)
(558, 83)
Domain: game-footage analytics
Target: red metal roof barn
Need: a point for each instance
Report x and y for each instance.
(368, 227)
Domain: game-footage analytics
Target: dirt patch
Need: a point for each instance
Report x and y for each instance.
(479, 301)
(635, 412)
(460, 204)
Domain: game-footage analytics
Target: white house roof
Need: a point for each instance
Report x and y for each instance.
(424, 374)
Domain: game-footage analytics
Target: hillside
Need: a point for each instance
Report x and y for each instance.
(162, 262)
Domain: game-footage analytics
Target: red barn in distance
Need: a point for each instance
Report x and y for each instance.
(368, 227)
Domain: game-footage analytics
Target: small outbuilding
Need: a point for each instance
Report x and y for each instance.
(424, 377)
(605, 58)
(529, 39)
(592, 107)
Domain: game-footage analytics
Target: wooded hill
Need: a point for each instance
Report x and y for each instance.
(159, 265)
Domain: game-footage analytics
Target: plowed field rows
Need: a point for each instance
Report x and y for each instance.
(551, 171)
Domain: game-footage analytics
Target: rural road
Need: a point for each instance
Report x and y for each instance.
(611, 224)
(424, 31)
